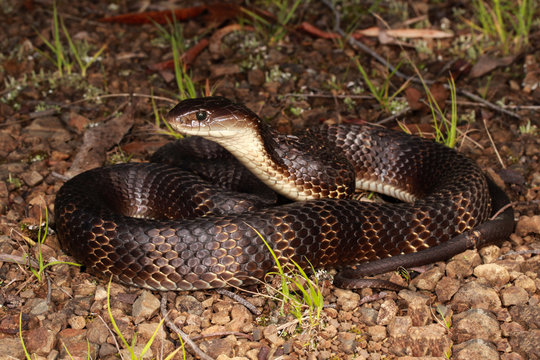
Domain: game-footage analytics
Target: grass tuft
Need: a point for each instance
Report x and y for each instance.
(274, 31)
(41, 237)
(160, 119)
(65, 59)
(131, 347)
(306, 294)
(175, 36)
(445, 130)
(506, 22)
(382, 93)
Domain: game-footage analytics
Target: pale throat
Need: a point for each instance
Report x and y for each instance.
(249, 149)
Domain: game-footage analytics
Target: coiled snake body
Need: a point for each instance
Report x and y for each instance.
(163, 227)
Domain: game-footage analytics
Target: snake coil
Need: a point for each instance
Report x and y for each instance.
(169, 227)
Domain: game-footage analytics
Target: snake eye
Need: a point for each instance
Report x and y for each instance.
(201, 115)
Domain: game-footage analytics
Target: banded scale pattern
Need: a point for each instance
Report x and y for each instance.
(161, 227)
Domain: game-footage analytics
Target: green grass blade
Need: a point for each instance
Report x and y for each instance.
(190, 86)
(151, 340)
(451, 130)
(95, 57)
(73, 48)
(67, 351)
(26, 354)
(59, 263)
(499, 21)
(368, 82)
(256, 17)
(113, 322)
(178, 71)
(290, 12)
(158, 119)
(48, 44)
(172, 354)
(314, 298)
(284, 286)
(45, 55)
(57, 44)
(182, 346)
(75, 51)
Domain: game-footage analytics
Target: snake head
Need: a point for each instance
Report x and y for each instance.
(212, 117)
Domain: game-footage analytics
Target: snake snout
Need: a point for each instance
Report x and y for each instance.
(214, 118)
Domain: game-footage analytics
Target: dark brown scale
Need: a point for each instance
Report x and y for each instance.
(198, 236)
(306, 161)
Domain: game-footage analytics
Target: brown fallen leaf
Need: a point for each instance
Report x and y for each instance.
(77, 122)
(141, 147)
(187, 58)
(413, 98)
(440, 94)
(310, 29)
(417, 100)
(531, 81)
(160, 17)
(487, 63)
(97, 140)
(215, 40)
(404, 33)
(459, 69)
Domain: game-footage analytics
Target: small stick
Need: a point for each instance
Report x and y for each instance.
(337, 96)
(513, 203)
(240, 300)
(394, 116)
(371, 298)
(522, 252)
(223, 333)
(60, 176)
(198, 352)
(493, 144)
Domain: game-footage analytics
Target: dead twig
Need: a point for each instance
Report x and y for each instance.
(337, 96)
(128, 95)
(21, 260)
(60, 176)
(493, 144)
(394, 116)
(112, 334)
(240, 300)
(371, 298)
(488, 104)
(223, 333)
(513, 203)
(196, 350)
(522, 252)
(509, 106)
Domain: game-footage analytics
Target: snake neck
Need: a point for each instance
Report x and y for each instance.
(255, 151)
(297, 167)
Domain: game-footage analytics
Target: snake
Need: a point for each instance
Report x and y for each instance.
(235, 197)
